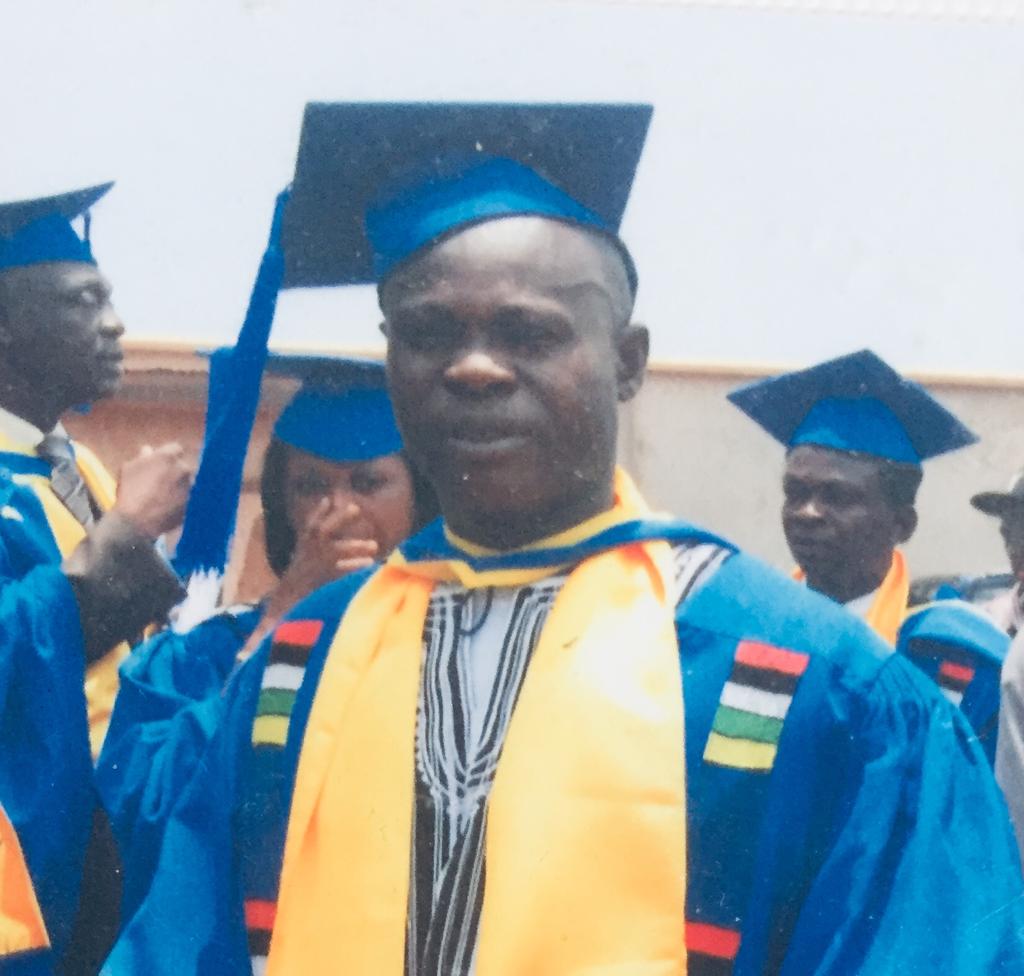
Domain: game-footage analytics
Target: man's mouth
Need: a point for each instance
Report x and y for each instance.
(479, 444)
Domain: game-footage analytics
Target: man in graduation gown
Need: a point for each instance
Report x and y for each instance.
(554, 733)
(79, 573)
(856, 434)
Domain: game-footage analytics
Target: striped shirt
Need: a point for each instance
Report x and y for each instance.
(477, 646)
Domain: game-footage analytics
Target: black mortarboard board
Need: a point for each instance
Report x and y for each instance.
(39, 230)
(856, 403)
(353, 157)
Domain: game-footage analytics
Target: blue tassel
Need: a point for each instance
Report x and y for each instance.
(232, 398)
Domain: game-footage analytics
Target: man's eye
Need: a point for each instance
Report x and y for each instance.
(428, 335)
(87, 297)
(531, 335)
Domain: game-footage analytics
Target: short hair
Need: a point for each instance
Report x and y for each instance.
(900, 482)
(279, 535)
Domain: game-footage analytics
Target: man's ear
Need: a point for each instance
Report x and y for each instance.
(906, 523)
(632, 347)
(383, 326)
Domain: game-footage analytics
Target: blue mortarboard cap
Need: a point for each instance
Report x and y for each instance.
(855, 403)
(375, 182)
(955, 623)
(40, 230)
(341, 413)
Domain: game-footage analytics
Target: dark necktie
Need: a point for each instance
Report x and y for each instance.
(65, 479)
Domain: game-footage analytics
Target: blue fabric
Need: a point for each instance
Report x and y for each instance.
(854, 403)
(232, 398)
(51, 238)
(427, 209)
(863, 426)
(46, 783)
(155, 732)
(431, 544)
(341, 426)
(878, 844)
(957, 632)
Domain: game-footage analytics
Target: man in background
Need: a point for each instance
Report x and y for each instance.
(1007, 609)
(79, 573)
(856, 434)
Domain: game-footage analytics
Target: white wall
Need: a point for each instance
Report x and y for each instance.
(814, 182)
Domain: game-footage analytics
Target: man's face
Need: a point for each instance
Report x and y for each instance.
(58, 328)
(1011, 527)
(840, 525)
(508, 351)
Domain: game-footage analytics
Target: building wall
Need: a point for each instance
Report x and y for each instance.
(691, 452)
(697, 455)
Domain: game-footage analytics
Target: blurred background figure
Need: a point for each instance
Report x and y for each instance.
(80, 574)
(338, 494)
(1007, 609)
(856, 434)
(959, 646)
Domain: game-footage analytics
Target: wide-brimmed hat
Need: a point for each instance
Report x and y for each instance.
(1001, 503)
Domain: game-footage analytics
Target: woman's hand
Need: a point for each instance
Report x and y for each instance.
(324, 551)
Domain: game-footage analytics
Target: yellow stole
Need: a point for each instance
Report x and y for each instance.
(21, 923)
(889, 607)
(101, 681)
(586, 834)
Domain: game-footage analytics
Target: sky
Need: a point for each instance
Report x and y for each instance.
(813, 182)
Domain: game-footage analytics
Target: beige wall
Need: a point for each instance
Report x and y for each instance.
(690, 450)
(697, 455)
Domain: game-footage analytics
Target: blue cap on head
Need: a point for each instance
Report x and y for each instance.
(375, 182)
(426, 210)
(855, 403)
(39, 231)
(342, 413)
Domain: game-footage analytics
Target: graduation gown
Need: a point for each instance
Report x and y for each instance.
(155, 733)
(963, 652)
(65, 599)
(874, 840)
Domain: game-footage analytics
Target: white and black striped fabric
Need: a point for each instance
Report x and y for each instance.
(477, 646)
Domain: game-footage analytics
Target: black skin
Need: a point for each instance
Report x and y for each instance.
(840, 524)
(509, 350)
(60, 340)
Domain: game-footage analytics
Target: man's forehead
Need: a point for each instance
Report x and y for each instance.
(549, 255)
(823, 464)
(60, 275)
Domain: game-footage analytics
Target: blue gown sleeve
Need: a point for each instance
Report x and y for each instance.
(922, 875)
(45, 765)
(158, 732)
(185, 914)
(188, 915)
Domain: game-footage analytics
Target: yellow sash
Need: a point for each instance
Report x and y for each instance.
(586, 836)
(21, 923)
(889, 607)
(101, 681)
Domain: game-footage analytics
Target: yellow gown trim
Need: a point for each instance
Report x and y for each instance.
(586, 835)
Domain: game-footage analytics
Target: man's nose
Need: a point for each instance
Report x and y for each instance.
(110, 323)
(478, 371)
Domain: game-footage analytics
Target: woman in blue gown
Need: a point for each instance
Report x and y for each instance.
(337, 495)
